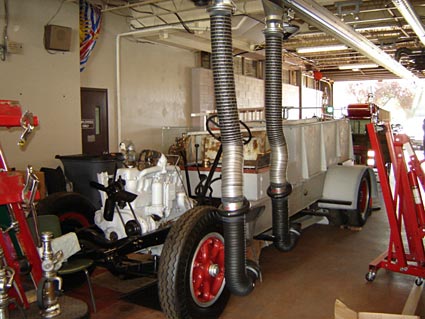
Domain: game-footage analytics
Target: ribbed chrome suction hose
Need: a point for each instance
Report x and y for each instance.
(284, 237)
(240, 277)
(225, 98)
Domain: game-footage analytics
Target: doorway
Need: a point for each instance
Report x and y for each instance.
(94, 121)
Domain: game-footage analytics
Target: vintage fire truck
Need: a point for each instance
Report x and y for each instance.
(361, 114)
(196, 243)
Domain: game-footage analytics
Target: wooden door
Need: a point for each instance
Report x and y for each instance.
(94, 121)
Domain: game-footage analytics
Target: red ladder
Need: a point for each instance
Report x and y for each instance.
(404, 207)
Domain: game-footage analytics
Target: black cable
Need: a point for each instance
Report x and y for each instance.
(240, 53)
(6, 26)
(48, 23)
(159, 7)
(215, 180)
(147, 12)
(196, 159)
(199, 189)
(57, 11)
(202, 177)
(210, 187)
(139, 11)
(185, 26)
(162, 19)
(140, 22)
(6, 15)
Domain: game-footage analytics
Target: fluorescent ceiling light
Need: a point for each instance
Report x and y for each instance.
(357, 66)
(325, 48)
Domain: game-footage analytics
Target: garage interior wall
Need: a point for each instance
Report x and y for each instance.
(156, 91)
(155, 84)
(46, 84)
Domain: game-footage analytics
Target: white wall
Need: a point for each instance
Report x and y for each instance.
(156, 91)
(46, 84)
(291, 100)
(312, 103)
(249, 94)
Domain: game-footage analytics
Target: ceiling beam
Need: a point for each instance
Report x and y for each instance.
(311, 12)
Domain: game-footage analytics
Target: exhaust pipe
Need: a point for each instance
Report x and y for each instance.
(284, 236)
(240, 274)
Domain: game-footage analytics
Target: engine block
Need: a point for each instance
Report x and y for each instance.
(161, 197)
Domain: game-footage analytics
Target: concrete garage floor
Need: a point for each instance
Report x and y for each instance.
(328, 263)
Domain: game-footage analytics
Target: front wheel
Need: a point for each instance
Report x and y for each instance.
(191, 271)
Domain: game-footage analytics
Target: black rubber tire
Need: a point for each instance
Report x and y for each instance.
(174, 278)
(359, 216)
(370, 276)
(336, 217)
(73, 209)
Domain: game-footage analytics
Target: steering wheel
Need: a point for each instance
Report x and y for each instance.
(212, 121)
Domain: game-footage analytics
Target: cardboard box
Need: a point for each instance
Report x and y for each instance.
(343, 312)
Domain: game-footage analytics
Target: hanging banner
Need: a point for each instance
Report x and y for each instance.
(90, 21)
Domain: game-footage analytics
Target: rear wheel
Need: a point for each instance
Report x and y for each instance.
(359, 216)
(191, 272)
(74, 210)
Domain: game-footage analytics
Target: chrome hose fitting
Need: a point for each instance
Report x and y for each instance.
(50, 284)
(7, 275)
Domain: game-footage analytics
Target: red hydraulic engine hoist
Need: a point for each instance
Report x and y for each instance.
(17, 195)
(404, 206)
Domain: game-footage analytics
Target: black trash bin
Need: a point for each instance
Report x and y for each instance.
(82, 169)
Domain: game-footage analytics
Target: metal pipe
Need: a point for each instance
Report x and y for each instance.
(311, 12)
(409, 14)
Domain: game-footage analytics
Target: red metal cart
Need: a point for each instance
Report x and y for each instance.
(17, 195)
(404, 206)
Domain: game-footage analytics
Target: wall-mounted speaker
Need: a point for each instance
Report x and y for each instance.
(57, 37)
